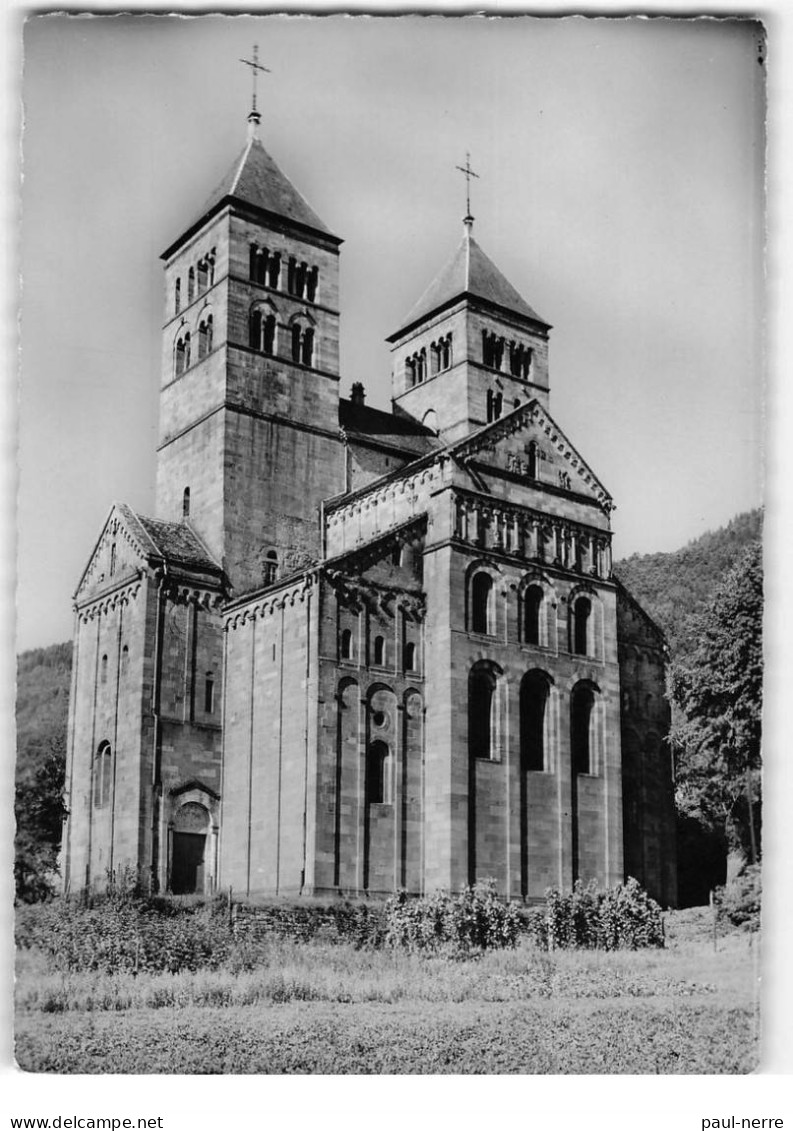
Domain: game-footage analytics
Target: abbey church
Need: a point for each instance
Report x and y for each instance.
(358, 651)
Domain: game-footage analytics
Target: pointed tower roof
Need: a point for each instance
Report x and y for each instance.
(256, 181)
(469, 272)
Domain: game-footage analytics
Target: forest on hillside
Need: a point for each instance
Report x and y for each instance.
(706, 597)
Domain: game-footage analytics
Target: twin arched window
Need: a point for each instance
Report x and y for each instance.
(302, 343)
(495, 405)
(416, 368)
(301, 280)
(441, 354)
(262, 329)
(265, 266)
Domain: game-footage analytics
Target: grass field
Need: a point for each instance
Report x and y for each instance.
(329, 1008)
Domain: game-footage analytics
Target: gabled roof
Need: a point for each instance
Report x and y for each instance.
(365, 424)
(256, 180)
(469, 272)
(176, 543)
(152, 540)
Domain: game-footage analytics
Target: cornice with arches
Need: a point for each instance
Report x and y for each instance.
(270, 604)
(123, 595)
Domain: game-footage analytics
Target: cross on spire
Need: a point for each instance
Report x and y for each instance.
(467, 172)
(255, 66)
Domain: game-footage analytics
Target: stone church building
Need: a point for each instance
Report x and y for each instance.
(357, 651)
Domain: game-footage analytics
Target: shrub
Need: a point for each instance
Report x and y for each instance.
(738, 902)
(620, 918)
(473, 921)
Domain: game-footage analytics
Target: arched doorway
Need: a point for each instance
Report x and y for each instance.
(188, 861)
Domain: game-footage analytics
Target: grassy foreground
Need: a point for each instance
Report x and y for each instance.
(328, 1008)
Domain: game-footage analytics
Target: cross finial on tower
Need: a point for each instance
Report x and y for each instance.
(467, 172)
(254, 117)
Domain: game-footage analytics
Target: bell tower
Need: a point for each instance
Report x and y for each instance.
(248, 442)
(471, 348)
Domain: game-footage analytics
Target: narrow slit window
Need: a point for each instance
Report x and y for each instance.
(209, 693)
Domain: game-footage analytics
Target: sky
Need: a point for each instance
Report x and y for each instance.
(620, 189)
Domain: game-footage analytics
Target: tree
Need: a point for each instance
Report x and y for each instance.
(718, 694)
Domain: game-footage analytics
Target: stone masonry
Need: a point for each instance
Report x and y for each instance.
(359, 651)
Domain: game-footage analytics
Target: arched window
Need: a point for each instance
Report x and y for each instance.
(582, 702)
(296, 336)
(307, 348)
(533, 460)
(209, 693)
(446, 352)
(268, 335)
(435, 358)
(378, 777)
(312, 283)
(204, 337)
(103, 774)
(112, 559)
(274, 269)
(290, 275)
(255, 329)
(345, 644)
(124, 660)
(482, 728)
(270, 568)
(582, 611)
(103, 669)
(534, 693)
(495, 402)
(482, 603)
(177, 296)
(378, 652)
(191, 284)
(186, 503)
(211, 262)
(410, 372)
(203, 275)
(410, 656)
(182, 353)
(532, 607)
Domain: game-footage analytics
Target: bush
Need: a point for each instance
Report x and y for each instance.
(473, 921)
(738, 902)
(621, 918)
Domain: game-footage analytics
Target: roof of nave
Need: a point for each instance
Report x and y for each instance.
(469, 272)
(174, 542)
(467, 448)
(365, 424)
(255, 179)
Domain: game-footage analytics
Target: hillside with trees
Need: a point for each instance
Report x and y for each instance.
(42, 710)
(675, 587)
